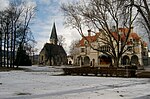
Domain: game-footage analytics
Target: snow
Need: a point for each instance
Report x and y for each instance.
(45, 83)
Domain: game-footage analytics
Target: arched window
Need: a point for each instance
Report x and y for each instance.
(125, 60)
(134, 60)
(42, 58)
(86, 60)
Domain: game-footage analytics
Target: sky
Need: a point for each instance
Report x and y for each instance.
(48, 12)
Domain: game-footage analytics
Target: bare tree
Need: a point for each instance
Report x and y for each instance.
(73, 50)
(103, 15)
(28, 14)
(143, 8)
(61, 40)
(14, 18)
(5, 36)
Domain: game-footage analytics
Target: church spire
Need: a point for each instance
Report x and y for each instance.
(53, 37)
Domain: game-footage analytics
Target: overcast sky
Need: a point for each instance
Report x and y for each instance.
(48, 13)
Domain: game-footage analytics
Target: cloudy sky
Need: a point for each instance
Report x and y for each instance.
(48, 13)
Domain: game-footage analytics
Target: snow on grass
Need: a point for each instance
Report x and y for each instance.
(41, 84)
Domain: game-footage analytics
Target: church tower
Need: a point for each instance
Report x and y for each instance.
(53, 37)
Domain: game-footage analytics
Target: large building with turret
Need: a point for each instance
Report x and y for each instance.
(136, 53)
(52, 53)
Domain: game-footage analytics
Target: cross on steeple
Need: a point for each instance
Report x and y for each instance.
(53, 37)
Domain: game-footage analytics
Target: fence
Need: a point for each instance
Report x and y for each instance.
(102, 71)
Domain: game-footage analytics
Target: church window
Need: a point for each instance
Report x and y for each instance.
(42, 58)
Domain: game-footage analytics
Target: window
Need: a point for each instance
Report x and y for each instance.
(131, 40)
(85, 43)
(82, 49)
(104, 48)
(42, 58)
(144, 53)
(130, 48)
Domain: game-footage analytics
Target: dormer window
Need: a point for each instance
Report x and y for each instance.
(85, 43)
(131, 40)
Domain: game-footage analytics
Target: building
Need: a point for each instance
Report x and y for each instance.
(69, 60)
(52, 53)
(137, 52)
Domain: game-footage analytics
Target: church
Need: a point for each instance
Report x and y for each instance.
(53, 54)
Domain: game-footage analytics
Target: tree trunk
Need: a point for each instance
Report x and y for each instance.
(11, 48)
(5, 49)
(7, 54)
(14, 46)
(1, 48)
(116, 62)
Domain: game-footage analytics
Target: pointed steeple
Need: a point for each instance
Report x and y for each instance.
(53, 37)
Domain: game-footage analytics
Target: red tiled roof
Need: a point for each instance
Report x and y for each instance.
(124, 31)
(135, 36)
(89, 38)
(145, 44)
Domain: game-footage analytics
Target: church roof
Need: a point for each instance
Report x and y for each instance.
(53, 50)
(54, 33)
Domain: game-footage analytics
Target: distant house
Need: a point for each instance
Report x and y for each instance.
(52, 53)
(70, 60)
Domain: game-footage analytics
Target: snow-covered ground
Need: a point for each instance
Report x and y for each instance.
(44, 83)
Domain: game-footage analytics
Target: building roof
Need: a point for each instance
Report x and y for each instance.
(89, 38)
(53, 50)
(124, 32)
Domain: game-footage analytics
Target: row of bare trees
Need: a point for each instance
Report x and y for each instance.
(102, 15)
(14, 31)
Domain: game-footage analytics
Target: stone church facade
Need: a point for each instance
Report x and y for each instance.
(52, 53)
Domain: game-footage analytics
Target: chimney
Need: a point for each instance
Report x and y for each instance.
(89, 32)
(132, 29)
(113, 28)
